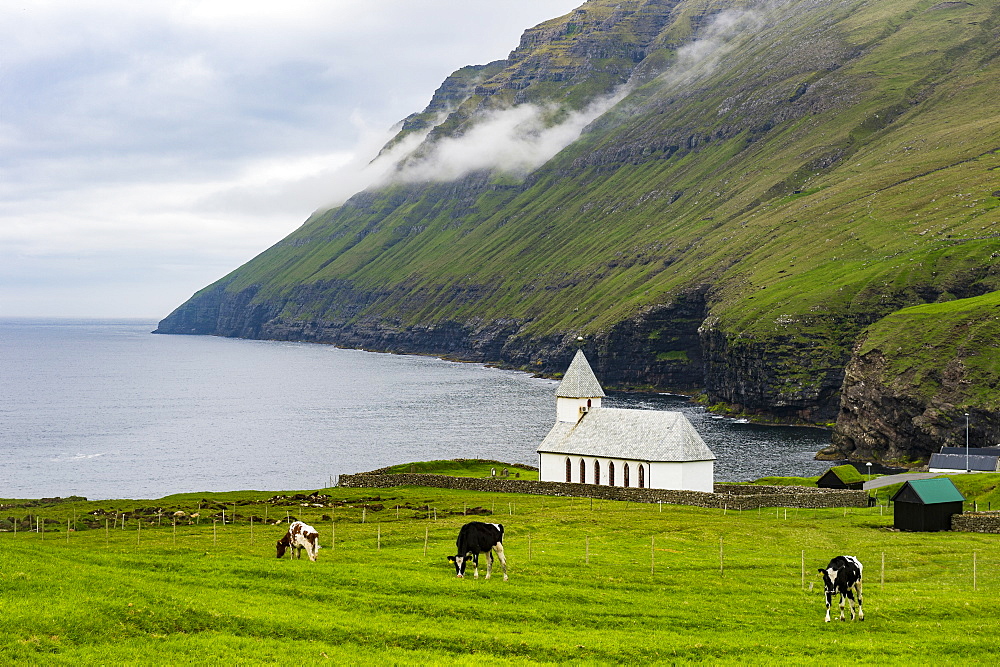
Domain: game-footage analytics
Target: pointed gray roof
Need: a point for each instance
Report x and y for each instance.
(579, 381)
(639, 435)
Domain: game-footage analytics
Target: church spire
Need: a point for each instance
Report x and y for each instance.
(579, 380)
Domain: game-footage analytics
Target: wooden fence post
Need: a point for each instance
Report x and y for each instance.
(721, 572)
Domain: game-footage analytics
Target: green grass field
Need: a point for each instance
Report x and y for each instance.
(466, 468)
(610, 582)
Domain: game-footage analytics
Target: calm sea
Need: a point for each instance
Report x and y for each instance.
(104, 409)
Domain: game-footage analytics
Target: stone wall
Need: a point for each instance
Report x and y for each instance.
(976, 522)
(744, 497)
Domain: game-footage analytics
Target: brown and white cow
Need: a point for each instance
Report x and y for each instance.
(299, 536)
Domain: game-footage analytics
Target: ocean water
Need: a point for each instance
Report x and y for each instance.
(104, 409)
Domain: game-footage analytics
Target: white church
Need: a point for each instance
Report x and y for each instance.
(618, 447)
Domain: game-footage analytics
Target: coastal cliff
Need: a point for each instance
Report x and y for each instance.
(718, 196)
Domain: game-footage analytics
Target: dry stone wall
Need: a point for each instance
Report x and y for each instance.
(976, 522)
(725, 496)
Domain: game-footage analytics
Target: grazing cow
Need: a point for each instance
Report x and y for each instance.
(476, 538)
(299, 536)
(843, 576)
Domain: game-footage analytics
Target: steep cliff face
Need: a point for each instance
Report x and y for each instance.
(716, 195)
(916, 374)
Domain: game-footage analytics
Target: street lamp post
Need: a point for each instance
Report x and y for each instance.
(967, 467)
(869, 464)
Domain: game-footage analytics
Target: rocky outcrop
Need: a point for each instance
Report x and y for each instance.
(918, 381)
(777, 377)
(883, 418)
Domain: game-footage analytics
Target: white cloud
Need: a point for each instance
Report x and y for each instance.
(195, 134)
(700, 57)
(515, 140)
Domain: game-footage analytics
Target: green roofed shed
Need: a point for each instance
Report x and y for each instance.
(926, 504)
(841, 477)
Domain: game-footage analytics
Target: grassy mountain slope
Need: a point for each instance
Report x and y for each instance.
(779, 177)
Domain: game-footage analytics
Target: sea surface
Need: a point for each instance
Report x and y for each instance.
(105, 409)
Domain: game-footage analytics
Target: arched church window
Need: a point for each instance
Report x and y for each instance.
(625, 476)
(642, 478)
(597, 472)
(569, 470)
(583, 471)
(611, 473)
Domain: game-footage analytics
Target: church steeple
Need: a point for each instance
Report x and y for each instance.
(578, 391)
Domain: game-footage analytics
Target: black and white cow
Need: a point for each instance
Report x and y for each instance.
(476, 538)
(843, 576)
(299, 536)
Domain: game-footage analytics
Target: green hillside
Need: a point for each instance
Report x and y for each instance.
(778, 178)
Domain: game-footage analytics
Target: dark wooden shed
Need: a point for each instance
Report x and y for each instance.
(841, 477)
(926, 505)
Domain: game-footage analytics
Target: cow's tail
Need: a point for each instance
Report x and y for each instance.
(500, 526)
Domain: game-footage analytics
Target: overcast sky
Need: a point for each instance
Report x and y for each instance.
(149, 148)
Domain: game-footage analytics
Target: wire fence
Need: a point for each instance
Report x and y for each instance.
(352, 533)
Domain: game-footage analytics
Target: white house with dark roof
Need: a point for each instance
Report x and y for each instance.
(618, 447)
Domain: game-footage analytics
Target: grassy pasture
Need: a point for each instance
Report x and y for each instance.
(610, 582)
(465, 468)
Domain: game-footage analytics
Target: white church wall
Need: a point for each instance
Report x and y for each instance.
(686, 475)
(568, 409)
(552, 467)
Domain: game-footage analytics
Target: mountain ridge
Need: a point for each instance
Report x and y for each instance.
(776, 179)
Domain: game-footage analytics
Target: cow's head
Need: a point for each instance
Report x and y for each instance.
(282, 546)
(459, 562)
(829, 578)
